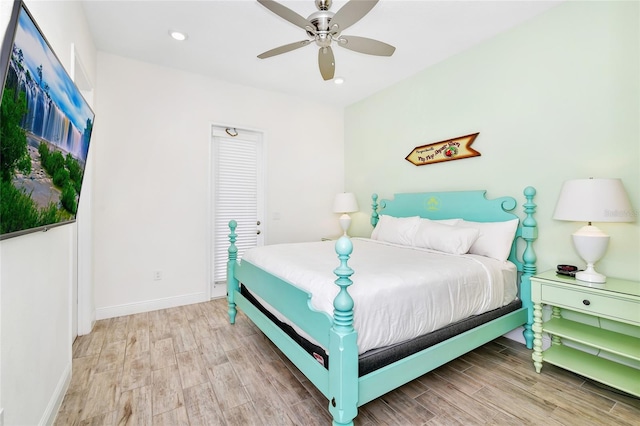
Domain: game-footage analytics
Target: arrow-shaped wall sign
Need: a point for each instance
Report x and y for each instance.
(451, 149)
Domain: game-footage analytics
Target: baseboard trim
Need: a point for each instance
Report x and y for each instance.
(50, 414)
(150, 305)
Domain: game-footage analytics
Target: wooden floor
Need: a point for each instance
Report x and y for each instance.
(188, 366)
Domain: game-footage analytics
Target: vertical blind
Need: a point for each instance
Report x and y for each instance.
(236, 198)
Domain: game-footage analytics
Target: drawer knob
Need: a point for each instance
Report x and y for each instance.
(586, 302)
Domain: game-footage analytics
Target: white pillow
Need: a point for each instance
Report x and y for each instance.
(398, 230)
(438, 235)
(495, 238)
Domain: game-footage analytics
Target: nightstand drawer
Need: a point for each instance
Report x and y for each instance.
(591, 303)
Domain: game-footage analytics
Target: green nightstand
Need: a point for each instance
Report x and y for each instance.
(616, 300)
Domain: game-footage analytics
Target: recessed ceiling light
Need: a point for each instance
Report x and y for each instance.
(338, 80)
(177, 35)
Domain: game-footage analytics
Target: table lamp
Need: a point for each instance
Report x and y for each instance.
(592, 200)
(345, 203)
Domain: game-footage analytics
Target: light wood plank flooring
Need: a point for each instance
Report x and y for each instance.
(189, 366)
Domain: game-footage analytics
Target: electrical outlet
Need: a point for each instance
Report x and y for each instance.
(157, 275)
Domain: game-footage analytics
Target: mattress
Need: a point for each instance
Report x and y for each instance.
(374, 359)
(399, 292)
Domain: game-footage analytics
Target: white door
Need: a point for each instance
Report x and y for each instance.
(237, 160)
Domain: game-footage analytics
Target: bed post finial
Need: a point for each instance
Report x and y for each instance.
(374, 210)
(529, 258)
(343, 368)
(232, 282)
(343, 303)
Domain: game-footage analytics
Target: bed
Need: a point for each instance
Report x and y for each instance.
(330, 345)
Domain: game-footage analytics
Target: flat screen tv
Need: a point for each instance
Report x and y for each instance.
(45, 129)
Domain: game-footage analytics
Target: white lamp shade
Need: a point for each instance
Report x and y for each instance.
(594, 200)
(345, 203)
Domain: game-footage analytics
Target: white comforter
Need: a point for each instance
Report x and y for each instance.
(399, 292)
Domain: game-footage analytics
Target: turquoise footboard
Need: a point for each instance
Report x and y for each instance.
(340, 383)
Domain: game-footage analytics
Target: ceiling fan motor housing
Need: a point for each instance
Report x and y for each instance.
(320, 20)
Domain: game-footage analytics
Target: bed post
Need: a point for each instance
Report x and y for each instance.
(232, 282)
(374, 210)
(343, 346)
(529, 234)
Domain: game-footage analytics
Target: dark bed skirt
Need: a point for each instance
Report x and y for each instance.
(378, 358)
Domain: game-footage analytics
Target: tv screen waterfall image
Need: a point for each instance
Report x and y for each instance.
(45, 128)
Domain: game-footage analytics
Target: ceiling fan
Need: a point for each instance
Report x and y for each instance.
(324, 27)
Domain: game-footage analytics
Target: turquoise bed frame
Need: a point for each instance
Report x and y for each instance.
(340, 383)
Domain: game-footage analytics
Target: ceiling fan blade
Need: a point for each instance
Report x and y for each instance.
(366, 45)
(286, 13)
(351, 13)
(326, 62)
(283, 49)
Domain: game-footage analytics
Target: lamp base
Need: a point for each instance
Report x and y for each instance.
(345, 222)
(590, 275)
(591, 244)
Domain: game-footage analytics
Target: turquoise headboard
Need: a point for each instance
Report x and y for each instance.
(468, 205)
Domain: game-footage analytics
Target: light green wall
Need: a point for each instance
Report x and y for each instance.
(554, 99)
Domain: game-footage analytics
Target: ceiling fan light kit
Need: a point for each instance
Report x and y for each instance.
(324, 27)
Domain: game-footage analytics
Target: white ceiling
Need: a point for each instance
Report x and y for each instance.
(224, 38)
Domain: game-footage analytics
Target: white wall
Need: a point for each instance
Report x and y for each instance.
(554, 99)
(39, 271)
(151, 195)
